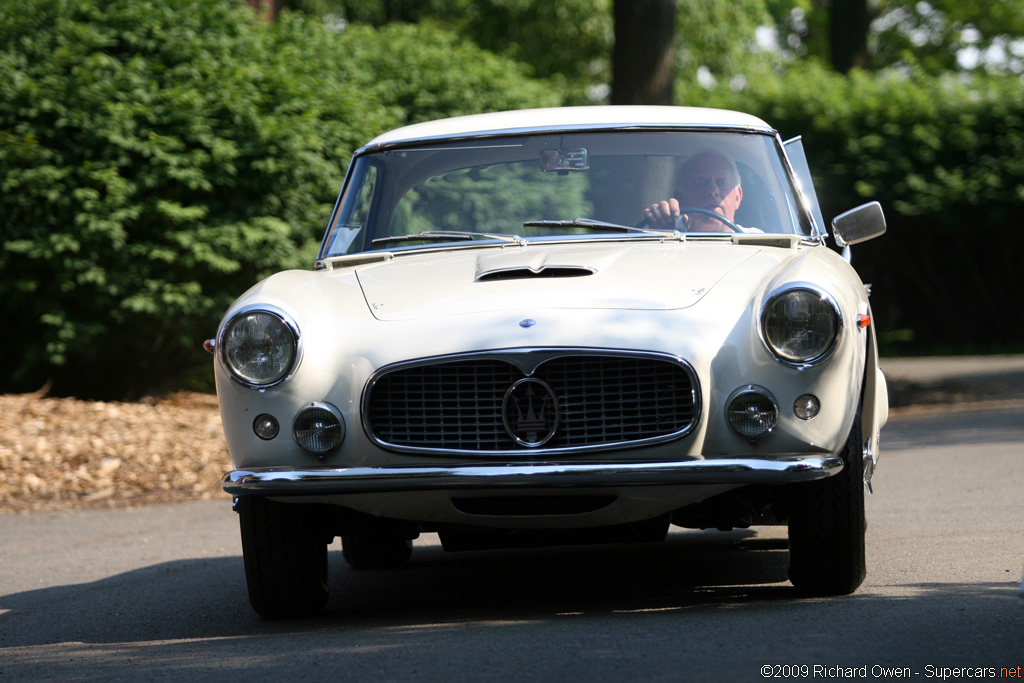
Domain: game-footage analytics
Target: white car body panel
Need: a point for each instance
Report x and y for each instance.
(568, 118)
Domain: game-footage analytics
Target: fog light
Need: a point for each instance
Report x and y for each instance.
(806, 406)
(319, 428)
(752, 411)
(266, 426)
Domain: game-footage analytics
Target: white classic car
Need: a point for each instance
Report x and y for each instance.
(550, 327)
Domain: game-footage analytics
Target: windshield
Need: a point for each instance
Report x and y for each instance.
(558, 186)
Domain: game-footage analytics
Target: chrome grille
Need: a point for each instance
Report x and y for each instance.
(604, 400)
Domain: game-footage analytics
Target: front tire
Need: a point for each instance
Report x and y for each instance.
(827, 525)
(285, 559)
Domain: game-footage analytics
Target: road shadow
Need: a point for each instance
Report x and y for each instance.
(689, 569)
(568, 612)
(207, 597)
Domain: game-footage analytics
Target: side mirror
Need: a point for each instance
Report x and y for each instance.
(859, 225)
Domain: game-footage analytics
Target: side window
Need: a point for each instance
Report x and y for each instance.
(797, 157)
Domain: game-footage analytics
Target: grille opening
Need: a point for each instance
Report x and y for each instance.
(602, 401)
(523, 506)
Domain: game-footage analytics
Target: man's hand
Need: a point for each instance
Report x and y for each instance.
(663, 215)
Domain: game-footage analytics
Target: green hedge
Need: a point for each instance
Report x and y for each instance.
(159, 157)
(945, 157)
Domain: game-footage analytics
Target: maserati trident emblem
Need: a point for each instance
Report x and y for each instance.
(530, 412)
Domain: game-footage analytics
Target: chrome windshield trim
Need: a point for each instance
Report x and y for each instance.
(355, 480)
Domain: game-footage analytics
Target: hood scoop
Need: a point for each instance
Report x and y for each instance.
(527, 273)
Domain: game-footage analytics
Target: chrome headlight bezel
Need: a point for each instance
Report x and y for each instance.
(785, 348)
(289, 346)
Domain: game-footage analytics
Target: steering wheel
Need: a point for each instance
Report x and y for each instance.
(683, 210)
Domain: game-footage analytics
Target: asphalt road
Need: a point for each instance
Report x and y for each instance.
(158, 593)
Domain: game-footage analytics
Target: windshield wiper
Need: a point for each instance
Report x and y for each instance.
(458, 236)
(591, 224)
(446, 236)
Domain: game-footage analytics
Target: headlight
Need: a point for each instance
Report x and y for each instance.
(800, 325)
(260, 347)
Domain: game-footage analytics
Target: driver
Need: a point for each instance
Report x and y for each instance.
(708, 181)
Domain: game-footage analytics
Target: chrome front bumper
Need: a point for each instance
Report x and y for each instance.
(279, 481)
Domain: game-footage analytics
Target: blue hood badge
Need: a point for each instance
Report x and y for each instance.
(529, 322)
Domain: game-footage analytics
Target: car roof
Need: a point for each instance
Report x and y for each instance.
(562, 118)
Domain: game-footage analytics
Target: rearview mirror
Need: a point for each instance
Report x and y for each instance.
(565, 160)
(859, 225)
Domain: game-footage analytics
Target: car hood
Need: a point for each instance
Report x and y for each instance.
(635, 277)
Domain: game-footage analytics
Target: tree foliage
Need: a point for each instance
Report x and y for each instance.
(158, 158)
(718, 41)
(571, 42)
(566, 41)
(728, 41)
(931, 37)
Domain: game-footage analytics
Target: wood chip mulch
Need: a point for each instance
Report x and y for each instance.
(62, 453)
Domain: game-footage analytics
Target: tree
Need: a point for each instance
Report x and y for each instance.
(849, 34)
(643, 60)
(158, 157)
(269, 9)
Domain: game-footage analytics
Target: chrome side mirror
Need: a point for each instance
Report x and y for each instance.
(859, 225)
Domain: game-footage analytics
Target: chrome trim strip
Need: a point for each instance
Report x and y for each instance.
(527, 360)
(354, 480)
